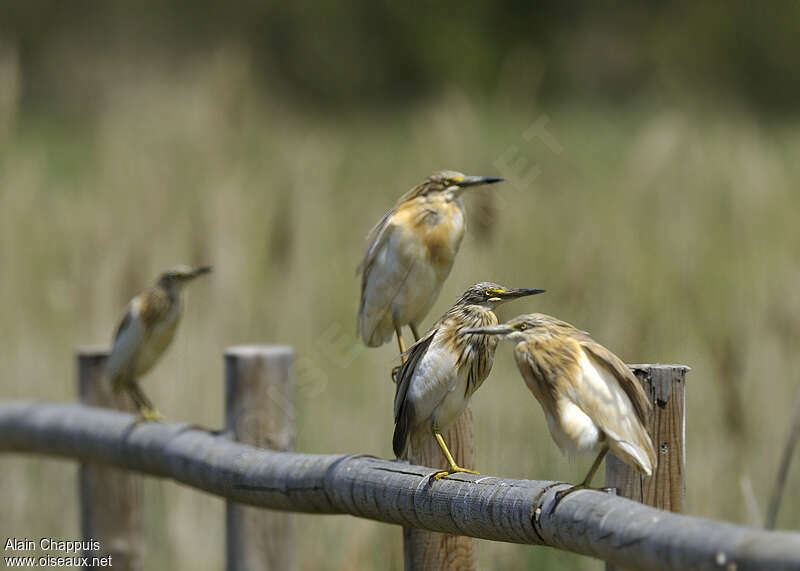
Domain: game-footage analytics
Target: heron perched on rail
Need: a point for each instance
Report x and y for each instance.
(443, 370)
(409, 255)
(145, 333)
(591, 399)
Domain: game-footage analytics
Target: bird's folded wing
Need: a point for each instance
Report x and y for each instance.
(624, 427)
(127, 342)
(369, 316)
(412, 357)
(123, 325)
(376, 237)
(607, 361)
(404, 409)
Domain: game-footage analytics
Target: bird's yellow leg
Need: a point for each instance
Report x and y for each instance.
(450, 461)
(400, 343)
(402, 346)
(593, 470)
(147, 412)
(587, 481)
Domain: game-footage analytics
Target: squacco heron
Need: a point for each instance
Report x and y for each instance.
(443, 370)
(591, 400)
(409, 255)
(145, 333)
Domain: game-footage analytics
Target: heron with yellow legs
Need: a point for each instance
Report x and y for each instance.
(591, 399)
(409, 255)
(443, 370)
(145, 333)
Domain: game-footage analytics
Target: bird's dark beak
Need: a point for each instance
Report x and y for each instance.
(488, 330)
(478, 181)
(200, 270)
(501, 295)
(514, 293)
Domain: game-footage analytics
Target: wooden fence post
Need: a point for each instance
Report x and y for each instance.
(259, 410)
(665, 489)
(424, 550)
(111, 498)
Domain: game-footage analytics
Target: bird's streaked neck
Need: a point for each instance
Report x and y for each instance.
(480, 306)
(172, 289)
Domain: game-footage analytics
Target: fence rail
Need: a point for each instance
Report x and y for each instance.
(592, 523)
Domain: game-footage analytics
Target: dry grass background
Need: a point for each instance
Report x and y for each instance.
(672, 235)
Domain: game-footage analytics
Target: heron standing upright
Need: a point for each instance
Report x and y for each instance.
(591, 399)
(145, 333)
(409, 255)
(443, 370)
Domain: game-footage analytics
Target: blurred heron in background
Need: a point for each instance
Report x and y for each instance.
(443, 370)
(410, 252)
(145, 333)
(591, 399)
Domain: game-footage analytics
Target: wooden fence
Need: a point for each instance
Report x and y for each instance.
(250, 463)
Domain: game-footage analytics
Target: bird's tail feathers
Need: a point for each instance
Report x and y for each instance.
(373, 335)
(400, 438)
(640, 453)
(637, 451)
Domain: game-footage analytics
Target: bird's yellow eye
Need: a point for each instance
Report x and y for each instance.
(522, 326)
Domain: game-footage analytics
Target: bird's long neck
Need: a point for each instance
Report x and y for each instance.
(448, 200)
(474, 315)
(171, 291)
(476, 352)
(541, 361)
(441, 229)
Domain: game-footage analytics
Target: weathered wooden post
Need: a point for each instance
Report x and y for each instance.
(111, 499)
(665, 489)
(259, 410)
(424, 550)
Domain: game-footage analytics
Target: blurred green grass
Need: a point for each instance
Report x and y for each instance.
(670, 234)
